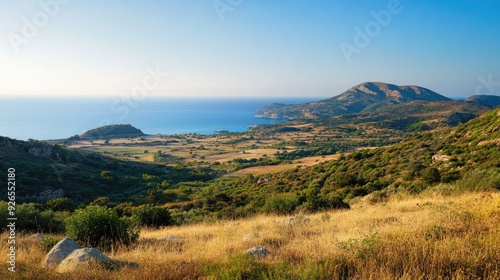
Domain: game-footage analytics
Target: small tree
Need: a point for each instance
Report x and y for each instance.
(100, 227)
(430, 175)
(61, 204)
(152, 216)
(102, 201)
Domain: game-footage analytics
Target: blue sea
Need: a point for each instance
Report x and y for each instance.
(57, 118)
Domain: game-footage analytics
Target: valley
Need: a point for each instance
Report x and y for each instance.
(332, 196)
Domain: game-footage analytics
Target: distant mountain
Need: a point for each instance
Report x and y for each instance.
(488, 100)
(113, 131)
(365, 96)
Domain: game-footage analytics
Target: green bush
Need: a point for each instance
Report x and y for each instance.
(481, 180)
(430, 175)
(52, 222)
(98, 226)
(152, 216)
(48, 242)
(102, 201)
(60, 204)
(124, 209)
(30, 219)
(281, 205)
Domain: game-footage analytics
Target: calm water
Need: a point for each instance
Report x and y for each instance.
(56, 118)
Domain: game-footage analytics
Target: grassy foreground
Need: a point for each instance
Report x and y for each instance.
(430, 236)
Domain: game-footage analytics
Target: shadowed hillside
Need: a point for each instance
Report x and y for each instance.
(47, 171)
(488, 100)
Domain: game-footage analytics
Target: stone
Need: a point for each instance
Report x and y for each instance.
(258, 251)
(36, 237)
(89, 256)
(169, 238)
(60, 251)
(293, 221)
(84, 256)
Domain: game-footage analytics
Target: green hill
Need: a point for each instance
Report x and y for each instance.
(488, 100)
(113, 131)
(45, 171)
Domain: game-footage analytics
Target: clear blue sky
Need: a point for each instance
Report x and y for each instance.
(260, 48)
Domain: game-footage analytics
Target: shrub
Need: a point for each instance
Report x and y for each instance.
(280, 205)
(98, 226)
(481, 180)
(377, 197)
(124, 209)
(31, 219)
(48, 242)
(360, 248)
(102, 201)
(60, 204)
(333, 201)
(430, 175)
(152, 216)
(52, 222)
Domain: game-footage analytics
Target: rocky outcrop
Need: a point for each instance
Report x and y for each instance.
(440, 157)
(51, 194)
(44, 151)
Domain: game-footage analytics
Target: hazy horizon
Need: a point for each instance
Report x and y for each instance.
(192, 49)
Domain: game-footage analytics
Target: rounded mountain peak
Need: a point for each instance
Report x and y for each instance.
(385, 91)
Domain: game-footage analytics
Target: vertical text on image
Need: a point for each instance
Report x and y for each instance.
(11, 218)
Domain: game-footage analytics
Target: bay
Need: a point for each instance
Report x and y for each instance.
(58, 117)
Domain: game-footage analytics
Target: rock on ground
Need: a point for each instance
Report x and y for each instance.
(258, 251)
(36, 237)
(60, 251)
(169, 238)
(293, 221)
(87, 256)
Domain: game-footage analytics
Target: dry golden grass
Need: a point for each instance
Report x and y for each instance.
(249, 154)
(261, 170)
(266, 169)
(426, 237)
